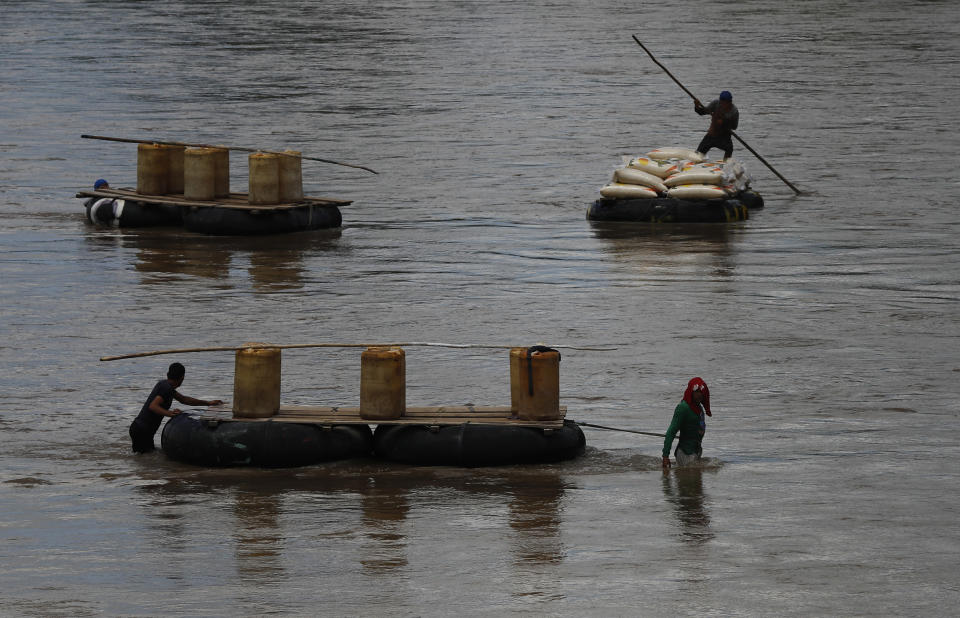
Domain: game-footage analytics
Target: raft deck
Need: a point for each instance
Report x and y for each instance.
(432, 415)
(235, 201)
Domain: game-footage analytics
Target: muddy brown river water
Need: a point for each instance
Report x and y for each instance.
(826, 325)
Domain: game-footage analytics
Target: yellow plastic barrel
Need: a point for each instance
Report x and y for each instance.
(383, 383)
(264, 178)
(222, 178)
(175, 156)
(199, 174)
(256, 381)
(153, 169)
(517, 363)
(539, 386)
(291, 177)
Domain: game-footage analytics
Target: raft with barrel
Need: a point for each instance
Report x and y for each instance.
(259, 431)
(676, 185)
(189, 186)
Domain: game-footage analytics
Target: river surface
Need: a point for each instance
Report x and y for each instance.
(826, 325)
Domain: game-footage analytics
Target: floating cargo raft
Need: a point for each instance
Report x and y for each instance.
(188, 185)
(228, 215)
(258, 430)
(676, 185)
(439, 436)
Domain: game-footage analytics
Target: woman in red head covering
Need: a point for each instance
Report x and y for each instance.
(689, 420)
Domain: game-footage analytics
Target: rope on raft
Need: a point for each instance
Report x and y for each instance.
(645, 433)
(409, 344)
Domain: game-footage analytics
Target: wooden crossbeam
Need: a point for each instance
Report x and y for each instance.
(432, 415)
(237, 201)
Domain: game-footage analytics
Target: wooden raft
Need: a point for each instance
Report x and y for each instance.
(236, 201)
(433, 415)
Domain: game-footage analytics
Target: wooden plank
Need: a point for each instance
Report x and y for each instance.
(430, 411)
(236, 201)
(410, 409)
(404, 420)
(433, 415)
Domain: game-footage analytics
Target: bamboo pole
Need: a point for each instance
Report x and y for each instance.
(697, 101)
(237, 148)
(292, 346)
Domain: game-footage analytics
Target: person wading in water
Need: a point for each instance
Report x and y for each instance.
(724, 119)
(157, 406)
(689, 420)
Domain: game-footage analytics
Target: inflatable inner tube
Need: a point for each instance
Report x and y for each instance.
(668, 210)
(129, 213)
(477, 445)
(750, 199)
(236, 222)
(266, 444)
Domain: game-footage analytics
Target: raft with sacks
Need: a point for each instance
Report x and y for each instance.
(676, 185)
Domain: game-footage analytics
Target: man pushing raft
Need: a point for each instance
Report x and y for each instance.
(158, 406)
(724, 119)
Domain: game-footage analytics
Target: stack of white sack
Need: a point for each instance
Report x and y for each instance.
(678, 173)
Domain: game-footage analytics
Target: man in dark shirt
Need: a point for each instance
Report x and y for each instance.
(724, 119)
(143, 428)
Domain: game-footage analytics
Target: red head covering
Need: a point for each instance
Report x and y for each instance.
(697, 384)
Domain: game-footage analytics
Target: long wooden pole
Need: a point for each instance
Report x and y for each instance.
(408, 344)
(665, 69)
(696, 100)
(237, 148)
(764, 161)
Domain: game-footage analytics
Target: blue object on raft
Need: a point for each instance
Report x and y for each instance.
(266, 444)
(673, 210)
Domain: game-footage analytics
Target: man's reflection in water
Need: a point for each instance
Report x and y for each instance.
(683, 487)
(165, 511)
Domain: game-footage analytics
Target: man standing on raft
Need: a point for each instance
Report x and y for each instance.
(157, 406)
(724, 119)
(689, 420)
